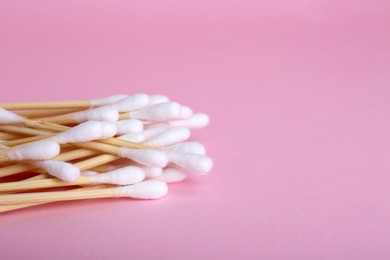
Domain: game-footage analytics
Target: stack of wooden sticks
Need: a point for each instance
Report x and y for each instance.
(118, 146)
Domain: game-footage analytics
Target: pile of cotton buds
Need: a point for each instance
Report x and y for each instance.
(118, 146)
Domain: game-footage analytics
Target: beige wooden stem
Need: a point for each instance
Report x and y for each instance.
(46, 112)
(41, 184)
(46, 105)
(56, 196)
(6, 208)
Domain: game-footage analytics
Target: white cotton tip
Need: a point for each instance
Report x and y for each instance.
(98, 114)
(129, 126)
(170, 136)
(132, 103)
(133, 137)
(151, 158)
(187, 147)
(7, 117)
(87, 131)
(62, 170)
(40, 150)
(122, 176)
(159, 112)
(191, 162)
(153, 131)
(198, 120)
(185, 112)
(171, 175)
(150, 189)
(157, 99)
(152, 172)
(107, 100)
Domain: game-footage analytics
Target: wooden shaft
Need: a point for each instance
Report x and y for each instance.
(46, 112)
(8, 136)
(125, 115)
(26, 140)
(46, 105)
(40, 184)
(5, 208)
(61, 119)
(22, 130)
(105, 148)
(56, 196)
(96, 161)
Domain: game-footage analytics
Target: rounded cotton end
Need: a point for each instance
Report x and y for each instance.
(40, 150)
(185, 112)
(129, 126)
(192, 162)
(170, 136)
(187, 147)
(157, 99)
(152, 172)
(171, 175)
(159, 112)
(150, 189)
(198, 120)
(62, 170)
(151, 158)
(87, 131)
(98, 114)
(107, 100)
(122, 176)
(7, 117)
(132, 103)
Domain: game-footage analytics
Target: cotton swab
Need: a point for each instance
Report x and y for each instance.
(129, 126)
(62, 170)
(170, 136)
(171, 175)
(64, 104)
(41, 150)
(151, 138)
(192, 162)
(109, 113)
(150, 189)
(98, 114)
(87, 131)
(157, 99)
(186, 147)
(123, 176)
(155, 113)
(131, 103)
(185, 112)
(199, 120)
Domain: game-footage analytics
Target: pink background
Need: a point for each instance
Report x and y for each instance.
(298, 92)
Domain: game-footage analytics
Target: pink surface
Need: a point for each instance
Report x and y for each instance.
(298, 93)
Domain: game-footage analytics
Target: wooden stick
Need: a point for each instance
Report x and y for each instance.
(41, 184)
(46, 112)
(6, 208)
(22, 130)
(38, 197)
(8, 136)
(46, 105)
